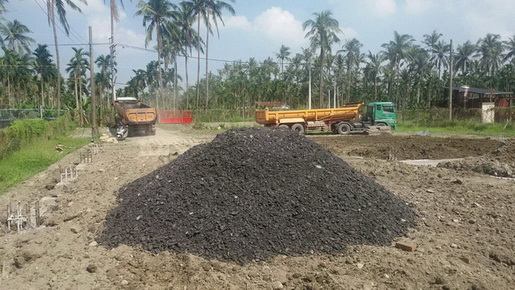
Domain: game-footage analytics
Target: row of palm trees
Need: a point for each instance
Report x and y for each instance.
(408, 72)
(171, 25)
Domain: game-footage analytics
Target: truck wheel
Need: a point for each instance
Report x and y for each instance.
(299, 128)
(381, 124)
(343, 129)
(283, 126)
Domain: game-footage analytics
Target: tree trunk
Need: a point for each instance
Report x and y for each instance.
(207, 62)
(77, 118)
(187, 85)
(321, 92)
(58, 64)
(175, 82)
(198, 66)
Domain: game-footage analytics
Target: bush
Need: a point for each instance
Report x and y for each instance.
(22, 132)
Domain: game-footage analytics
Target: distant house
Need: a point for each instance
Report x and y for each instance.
(468, 98)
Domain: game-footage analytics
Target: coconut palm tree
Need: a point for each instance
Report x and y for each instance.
(14, 34)
(282, 55)
(45, 69)
(16, 75)
(77, 68)
(490, 49)
(107, 67)
(464, 56)
(430, 40)
(155, 15)
(440, 55)
(210, 11)
(351, 51)
(56, 8)
(374, 68)
(184, 16)
(509, 46)
(323, 32)
(397, 51)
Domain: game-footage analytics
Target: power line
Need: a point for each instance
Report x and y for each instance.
(77, 35)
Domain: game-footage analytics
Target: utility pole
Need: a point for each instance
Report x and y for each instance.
(94, 124)
(450, 84)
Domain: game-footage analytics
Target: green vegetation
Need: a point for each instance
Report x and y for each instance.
(28, 147)
(458, 128)
(33, 158)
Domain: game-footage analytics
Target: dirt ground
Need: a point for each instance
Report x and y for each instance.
(465, 237)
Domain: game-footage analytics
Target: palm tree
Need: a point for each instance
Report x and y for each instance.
(490, 49)
(284, 53)
(464, 54)
(396, 51)
(210, 11)
(440, 55)
(2, 7)
(351, 51)
(45, 69)
(114, 17)
(430, 40)
(155, 14)
(16, 75)
(53, 7)
(15, 37)
(322, 33)
(184, 16)
(77, 68)
(107, 67)
(509, 46)
(374, 67)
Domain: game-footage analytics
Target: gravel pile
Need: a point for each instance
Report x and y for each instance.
(251, 194)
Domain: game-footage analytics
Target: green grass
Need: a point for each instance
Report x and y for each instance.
(34, 158)
(459, 127)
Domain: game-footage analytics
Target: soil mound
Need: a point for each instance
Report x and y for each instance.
(499, 162)
(255, 193)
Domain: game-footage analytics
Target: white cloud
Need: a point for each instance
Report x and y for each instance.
(238, 22)
(382, 7)
(418, 6)
(349, 32)
(489, 16)
(280, 25)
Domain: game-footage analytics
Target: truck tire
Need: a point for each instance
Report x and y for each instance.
(299, 128)
(343, 128)
(283, 126)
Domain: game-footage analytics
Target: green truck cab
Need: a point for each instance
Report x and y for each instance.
(381, 114)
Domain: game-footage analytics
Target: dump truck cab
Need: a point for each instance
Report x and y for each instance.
(381, 113)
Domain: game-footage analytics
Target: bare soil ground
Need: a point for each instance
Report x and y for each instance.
(465, 237)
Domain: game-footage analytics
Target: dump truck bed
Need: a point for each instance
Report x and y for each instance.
(347, 112)
(136, 113)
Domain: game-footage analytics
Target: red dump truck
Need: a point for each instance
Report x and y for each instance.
(379, 116)
(134, 116)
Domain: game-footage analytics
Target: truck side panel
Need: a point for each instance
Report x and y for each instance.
(348, 112)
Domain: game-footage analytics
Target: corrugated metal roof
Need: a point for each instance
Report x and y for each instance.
(482, 91)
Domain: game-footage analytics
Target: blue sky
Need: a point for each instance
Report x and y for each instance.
(259, 28)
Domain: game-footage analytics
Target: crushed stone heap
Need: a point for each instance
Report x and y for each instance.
(251, 194)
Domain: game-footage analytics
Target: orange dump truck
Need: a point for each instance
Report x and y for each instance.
(134, 116)
(343, 120)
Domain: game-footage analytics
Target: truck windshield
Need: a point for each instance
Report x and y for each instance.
(388, 108)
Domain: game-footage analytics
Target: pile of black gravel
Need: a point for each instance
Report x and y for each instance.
(255, 193)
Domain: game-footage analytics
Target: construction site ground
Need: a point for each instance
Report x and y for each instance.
(464, 238)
